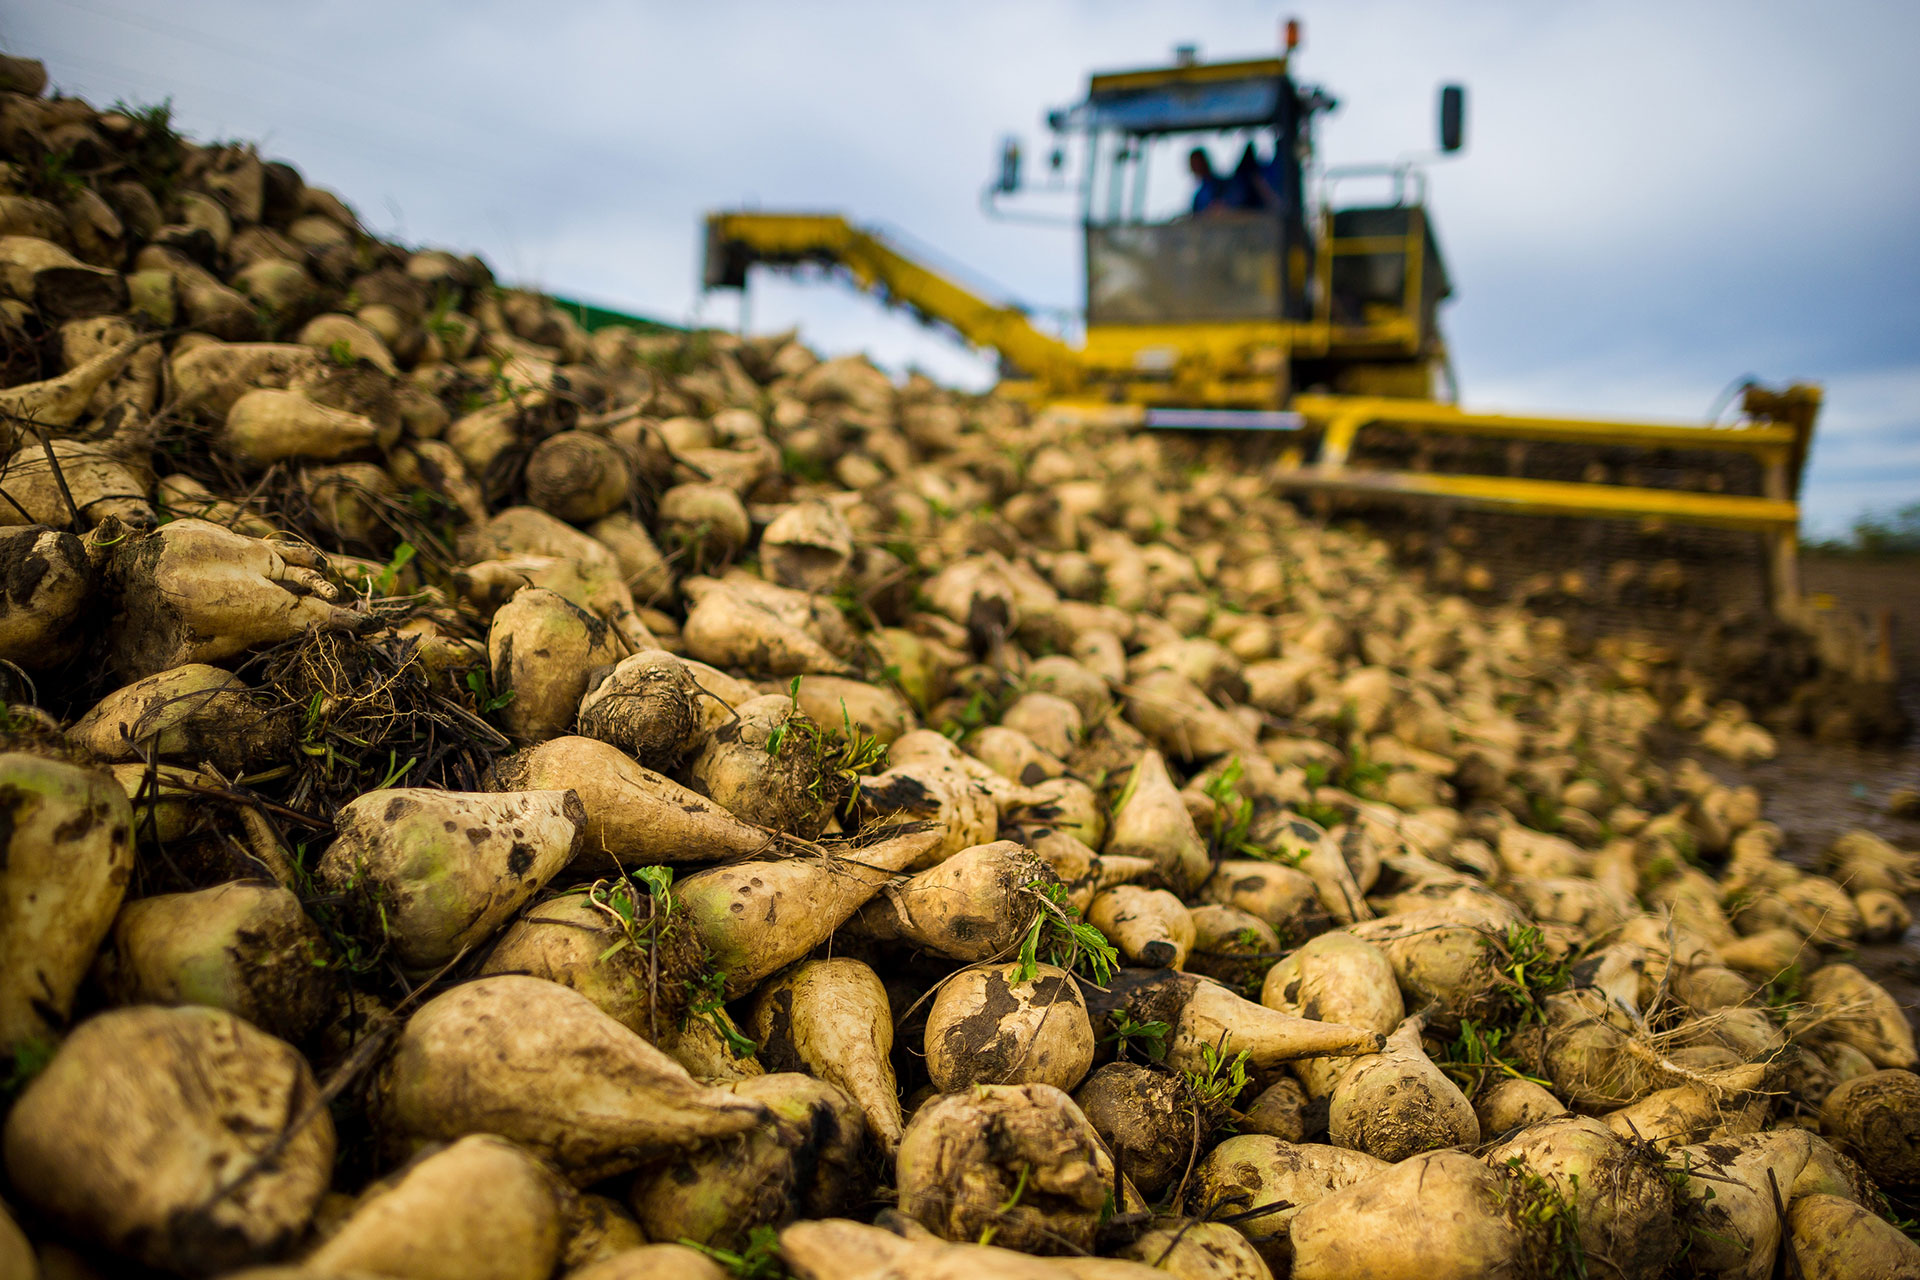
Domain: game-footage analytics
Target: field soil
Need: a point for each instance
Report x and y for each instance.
(1818, 790)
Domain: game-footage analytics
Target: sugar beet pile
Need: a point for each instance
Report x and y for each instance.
(487, 799)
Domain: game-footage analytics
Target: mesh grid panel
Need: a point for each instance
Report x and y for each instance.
(1697, 470)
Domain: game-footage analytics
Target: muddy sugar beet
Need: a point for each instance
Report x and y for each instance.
(487, 797)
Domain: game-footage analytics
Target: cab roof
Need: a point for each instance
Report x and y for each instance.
(1179, 99)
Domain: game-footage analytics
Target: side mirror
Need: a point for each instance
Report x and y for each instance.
(1009, 179)
(1453, 117)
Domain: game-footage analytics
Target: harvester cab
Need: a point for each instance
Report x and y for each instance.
(1218, 274)
(1290, 308)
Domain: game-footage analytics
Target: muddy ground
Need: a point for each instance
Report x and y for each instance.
(1818, 790)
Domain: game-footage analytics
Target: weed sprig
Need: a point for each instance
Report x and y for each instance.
(1529, 973)
(760, 1260)
(1059, 937)
(1549, 1221)
(840, 760)
(1216, 1084)
(1149, 1039)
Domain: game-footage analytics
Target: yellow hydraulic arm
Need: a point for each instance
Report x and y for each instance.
(1777, 445)
(738, 240)
(1777, 435)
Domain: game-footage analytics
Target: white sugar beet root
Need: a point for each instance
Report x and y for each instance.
(1253, 1171)
(730, 630)
(1622, 1199)
(1834, 1238)
(191, 591)
(137, 1133)
(989, 1025)
(268, 426)
(250, 949)
(758, 917)
(541, 647)
(479, 1207)
(634, 817)
(766, 766)
(1282, 897)
(1281, 1110)
(439, 871)
(1180, 719)
(598, 1228)
(932, 786)
(60, 401)
(1692, 1111)
(577, 476)
(706, 523)
(963, 1153)
(1875, 1118)
(1151, 821)
(1231, 946)
(835, 701)
(635, 973)
(1512, 1103)
(805, 1163)
(1151, 927)
(213, 376)
(1076, 865)
(68, 854)
(1396, 1103)
(1338, 978)
(1441, 954)
(192, 713)
(970, 907)
(832, 1018)
(647, 706)
(48, 579)
(538, 1064)
(1143, 1116)
(592, 584)
(1460, 1230)
(1202, 1014)
(809, 546)
(1847, 1006)
(1187, 1247)
(1727, 1203)
(100, 479)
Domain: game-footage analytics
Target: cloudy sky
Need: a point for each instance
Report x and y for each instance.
(1656, 199)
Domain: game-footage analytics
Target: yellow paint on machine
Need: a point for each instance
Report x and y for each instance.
(1286, 309)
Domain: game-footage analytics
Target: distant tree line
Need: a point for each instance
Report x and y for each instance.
(1895, 533)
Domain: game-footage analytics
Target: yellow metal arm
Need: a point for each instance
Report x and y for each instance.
(1777, 445)
(783, 238)
(1343, 416)
(1555, 497)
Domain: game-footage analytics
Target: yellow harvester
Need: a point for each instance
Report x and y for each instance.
(1278, 308)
